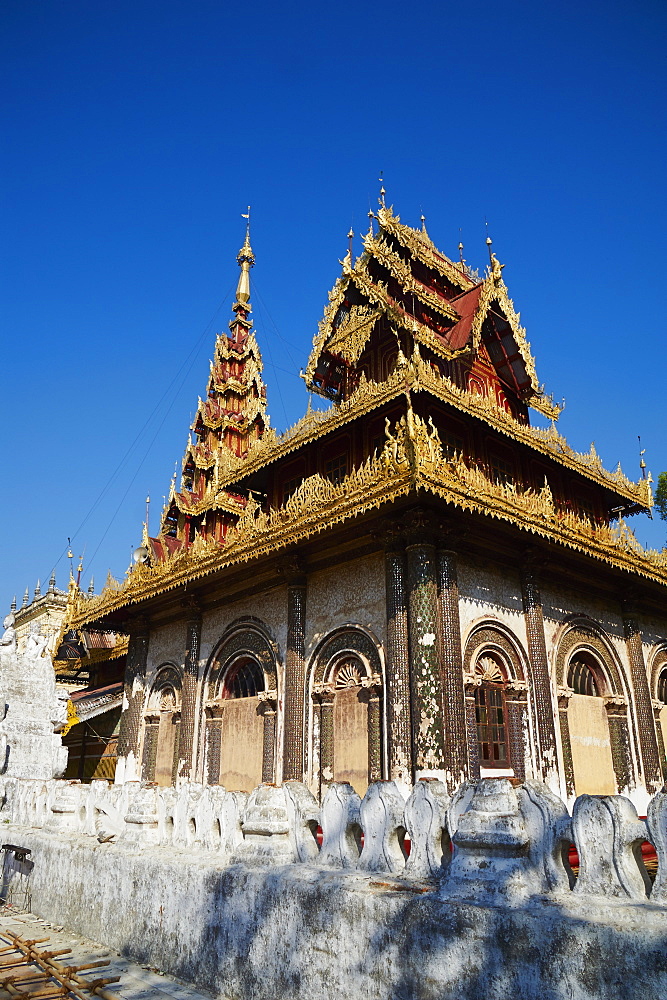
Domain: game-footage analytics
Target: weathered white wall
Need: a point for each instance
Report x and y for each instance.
(353, 592)
(232, 894)
(269, 607)
(30, 708)
(486, 593)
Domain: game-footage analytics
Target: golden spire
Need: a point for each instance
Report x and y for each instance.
(382, 191)
(246, 260)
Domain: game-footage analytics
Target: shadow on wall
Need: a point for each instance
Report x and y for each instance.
(502, 916)
(233, 891)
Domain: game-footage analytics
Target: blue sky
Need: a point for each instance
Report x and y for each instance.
(135, 133)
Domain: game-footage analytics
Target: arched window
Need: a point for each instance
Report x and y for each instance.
(162, 728)
(235, 727)
(490, 712)
(347, 711)
(662, 687)
(581, 676)
(588, 726)
(244, 679)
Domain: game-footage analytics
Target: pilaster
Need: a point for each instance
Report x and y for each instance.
(324, 706)
(539, 669)
(425, 663)
(268, 707)
(657, 708)
(564, 695)
(213, 745)
(398, 663)
(295, 672)
(645, 721)
(454, 709)
(129, 735)
(189, 728)
(619, 738)
(516, 704)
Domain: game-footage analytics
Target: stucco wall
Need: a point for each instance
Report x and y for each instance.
(489, 593)
(299, 933)
(352, 592)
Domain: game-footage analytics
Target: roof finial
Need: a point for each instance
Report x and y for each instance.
(13, 604)
(38, 589)
(246, 260)
(26, 598)
(350, 237)
(91, 587)
(461, 258)
(144, 540)
(382, 192)
(642, 452)
(52, 582)
(371, 216)
(422, 219)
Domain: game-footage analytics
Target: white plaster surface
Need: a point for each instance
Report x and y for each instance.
(165, 645)
(485, 592)
(352, 592)
(269, 918)
(30, 708)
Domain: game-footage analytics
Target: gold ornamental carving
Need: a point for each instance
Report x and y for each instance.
(411, 459)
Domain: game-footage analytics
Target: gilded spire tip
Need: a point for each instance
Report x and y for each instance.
(246, 260)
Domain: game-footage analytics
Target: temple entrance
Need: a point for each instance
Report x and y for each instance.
(236, 730)
(162, 728)
(350, 728)
(588, 723)
(168, 727)
(347, 712)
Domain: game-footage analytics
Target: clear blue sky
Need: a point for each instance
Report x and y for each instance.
(135, 133)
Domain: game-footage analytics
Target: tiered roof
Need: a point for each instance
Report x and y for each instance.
(229, 421)
(446, 328)
(404, 284)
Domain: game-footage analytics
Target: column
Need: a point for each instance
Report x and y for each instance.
(295, 675)
(213, 743)
(564, 695)
(657, 708)
(149, 756)
(645, 722)
(374, 732)
(471, 726)
(516, 705)
(127, 767)
(324, 707)
(398, 667)
(425, 665)
(453, 701)
(268, 710)
(547, 760)
(188, 734)
(619, 738)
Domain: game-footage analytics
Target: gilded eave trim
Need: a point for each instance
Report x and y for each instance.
(412, 459)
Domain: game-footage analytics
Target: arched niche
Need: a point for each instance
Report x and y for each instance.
(593, 711)
(240, 703)
(346, 678)
(496, 689)
(162, 722)
(658, 674)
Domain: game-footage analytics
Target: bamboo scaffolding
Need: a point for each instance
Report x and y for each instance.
(37, 975)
